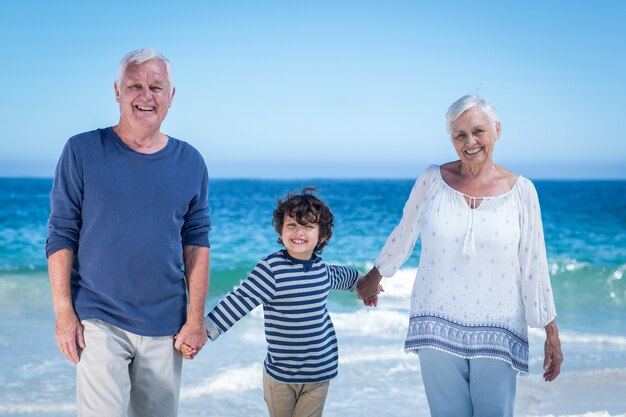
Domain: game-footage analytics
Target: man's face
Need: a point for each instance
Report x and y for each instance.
(144, 95)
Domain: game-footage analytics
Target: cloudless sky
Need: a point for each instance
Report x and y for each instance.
(290, 89)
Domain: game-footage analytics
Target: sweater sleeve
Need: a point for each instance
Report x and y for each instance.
(258, 288)
(66, 200)
(401, 242)
(535, 278)
(195, 230)
(342, 277)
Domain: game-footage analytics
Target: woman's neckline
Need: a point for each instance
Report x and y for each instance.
(517, 180)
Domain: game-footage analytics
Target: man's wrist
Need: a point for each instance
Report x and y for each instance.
(195, 318)
(63, 309)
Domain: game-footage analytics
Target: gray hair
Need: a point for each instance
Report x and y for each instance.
(467, 102)
(139, 56)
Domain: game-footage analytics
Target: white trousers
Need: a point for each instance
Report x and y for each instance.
(458, 387)
(121, 374)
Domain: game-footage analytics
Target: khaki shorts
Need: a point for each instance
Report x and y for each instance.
(294, 400)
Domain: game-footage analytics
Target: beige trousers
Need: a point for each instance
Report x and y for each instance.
(294, 400)
(121, 374)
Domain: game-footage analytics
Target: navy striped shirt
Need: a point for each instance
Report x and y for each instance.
(302, 346)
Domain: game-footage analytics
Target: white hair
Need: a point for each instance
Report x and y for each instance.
(457, 108)
(139, 56)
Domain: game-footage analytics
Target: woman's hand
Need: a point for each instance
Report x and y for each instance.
(373, 300)
(553, 355)
(368, 286)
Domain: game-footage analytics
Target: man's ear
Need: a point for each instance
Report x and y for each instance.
(172, 96)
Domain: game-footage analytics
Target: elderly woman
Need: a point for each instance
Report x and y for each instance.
(482, 277)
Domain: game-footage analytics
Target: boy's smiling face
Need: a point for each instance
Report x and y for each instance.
(299, 239)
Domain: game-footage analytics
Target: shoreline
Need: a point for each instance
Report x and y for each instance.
(592, 393)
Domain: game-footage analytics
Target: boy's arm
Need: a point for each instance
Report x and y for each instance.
(342, 277)
(258, 288)
(211, 328)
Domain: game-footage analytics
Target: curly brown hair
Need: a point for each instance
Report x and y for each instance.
(305, 208)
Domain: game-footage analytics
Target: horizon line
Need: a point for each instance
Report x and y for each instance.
(353, 170)
(338, 178)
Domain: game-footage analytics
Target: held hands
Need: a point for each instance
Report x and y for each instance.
(368, 287)
(68, 334)
(553, 355)
(373, 300)
(191, 339)
(187, 351)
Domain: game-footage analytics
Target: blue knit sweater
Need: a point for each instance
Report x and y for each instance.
(127, 216)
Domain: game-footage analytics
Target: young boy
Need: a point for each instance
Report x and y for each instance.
(293, 286)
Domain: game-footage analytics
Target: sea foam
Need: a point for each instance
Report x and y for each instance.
(231, 380)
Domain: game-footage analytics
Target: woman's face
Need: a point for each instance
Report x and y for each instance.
(474, 137)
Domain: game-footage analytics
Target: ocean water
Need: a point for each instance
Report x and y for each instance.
(585, 228)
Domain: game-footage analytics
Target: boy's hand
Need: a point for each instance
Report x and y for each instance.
(373, 300)
(368, 285)
(187, 351)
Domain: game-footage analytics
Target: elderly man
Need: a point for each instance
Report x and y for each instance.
(128, 250)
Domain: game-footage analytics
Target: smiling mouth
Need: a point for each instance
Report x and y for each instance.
(145, 108)
(473, 151)
(298, 241)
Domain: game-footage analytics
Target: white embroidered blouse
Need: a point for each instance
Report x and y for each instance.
(483, 275)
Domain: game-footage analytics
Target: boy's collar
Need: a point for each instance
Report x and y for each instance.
(314, 258)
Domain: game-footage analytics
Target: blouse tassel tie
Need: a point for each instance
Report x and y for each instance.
(469, 246)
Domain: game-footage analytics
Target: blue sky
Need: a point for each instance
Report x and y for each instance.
(326, 88)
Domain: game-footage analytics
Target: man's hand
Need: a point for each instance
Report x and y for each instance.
(193, 333)
(191, 338)
(187, 351)
(69, 335)
(68, 331)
